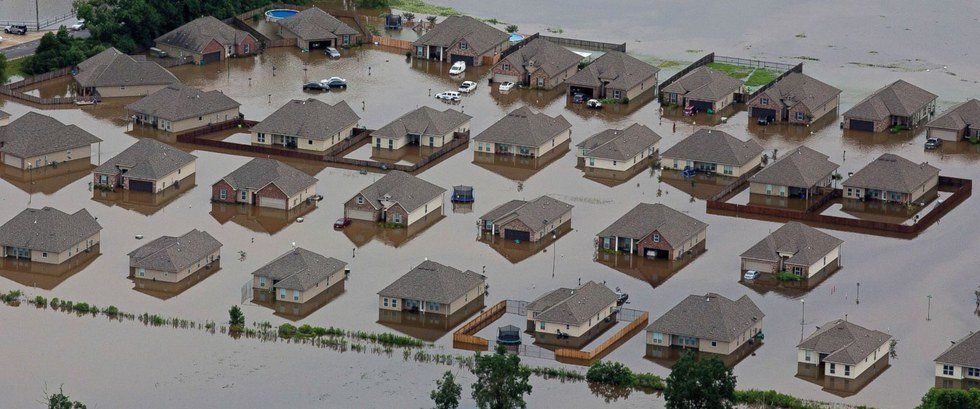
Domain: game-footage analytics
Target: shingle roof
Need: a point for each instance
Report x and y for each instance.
(433, 282)
(618, 144)
(178, 101)
(959, 116)
(299, 269)
(800, 88)
(572, 306)
(618, 70)
(896, 99)
(892, 173)
(260, 172)
(480, 37)
(147, 159)
(550, 58)
(402, 188)
(536, 214)
(675, 227)
(113, 68)
(704, 84)
(48, 229)
(714, 146)
(844, 342)
(316, 24)
(802, 167)
(196, 34)
(524, 127)
(964, 352)
(710, 316)
(35, 134)
(309, 119)
(424, 121)
(805, 245)
(4, 115)
(174, 254)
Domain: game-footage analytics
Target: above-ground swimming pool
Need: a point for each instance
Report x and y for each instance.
(514, 37)
(279, 14)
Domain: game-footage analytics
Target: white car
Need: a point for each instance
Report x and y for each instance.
(751, 275)
(457, 68)
(467, 86)
(506, 86)
(594, 104)
(77, 26)
(448, 96)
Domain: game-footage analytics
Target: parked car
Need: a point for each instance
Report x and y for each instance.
(933, 143)
(335, 82)
(315, 86)
(332, 52)
(594, 104)
(467, 87)
(158, 52)
(15, 29)
(448, 96)
(79, 26)
(751, 275)
(341, 223)
(506, 86)
(457, 68)
(578, 98)
(763, 121)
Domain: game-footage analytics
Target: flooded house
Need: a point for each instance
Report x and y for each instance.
(846, 356)
(265, 182)
(462, 38)
(709, 323)
(526, 221)
(177, 108)
(572, 316)
(296, 277)
(703, 88)
(49, 235)
(614, 75)
(796, 98)
(794, 248)
(35, 140)
(962, 121)
(207, 39)
(433, 288)
(397, 198)
(713, 152)
(146, 166)
(423, 126)
(619, 149)
(959, 365)
(892, 178)
(524, 132)
(538, 64)
(654, 231)
(112, 73)
(896, 105)
(172, 259)
(801, 173)
(314, 29)
(308, 124)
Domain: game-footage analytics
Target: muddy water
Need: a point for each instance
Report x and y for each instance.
(895, 275)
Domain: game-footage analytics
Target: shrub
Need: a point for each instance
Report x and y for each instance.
(41, 301)
(610, 373)
(287, 330)
(938, 398)
(787, 276)
(649, 381)
(512, 28)
(111, 311)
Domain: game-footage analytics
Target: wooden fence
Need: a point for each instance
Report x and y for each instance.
(586, 44)
(465, 333)
(708, 59)
(13, 89)
(797, 68)
(392, 42)
(620, 336)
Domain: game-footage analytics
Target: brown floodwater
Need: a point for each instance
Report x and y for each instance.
(110, 365)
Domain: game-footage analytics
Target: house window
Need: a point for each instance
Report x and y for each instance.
(617, 94)
(973, 372)
(591, 161)
(398, 218)
(45, 255)
(656, 238)
(360, 200)
(728, 170)
(714, 343)
(394, 302)
(222, 193)
(463, 45)
(764, 101)
(244, 195)
(346, 39)
(676, 164)
(309, 141)
(798, 270)
(614, 163)
(385, 300)
(799, 116)
(506, 67)
(68, 152)
(141, 271)
(542, 325)
(832, 369)
(262, 282)
(247, 48)
(657, 337)
(295, 295)
(540, 82)
(847, 370)
(282, 293)
(782, 190)
(806, 356)
(947, 370)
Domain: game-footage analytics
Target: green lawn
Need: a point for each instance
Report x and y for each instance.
(421, 7)
(753, 77)
(761, 77)
(734, 71)
(13, 68)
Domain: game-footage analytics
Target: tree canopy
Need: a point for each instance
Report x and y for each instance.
(938, 398)
(447, 392)
(705, 384)
(57, 50)
(501, 380)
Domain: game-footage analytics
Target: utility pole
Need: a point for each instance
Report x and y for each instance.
(37, 16)
(857, 300)
(929, 308)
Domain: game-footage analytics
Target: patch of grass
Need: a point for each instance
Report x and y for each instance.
(555, 30)
(734, 71)
(669, 64)
(421, 7)
(801, 35)
(14, 67)
(694, 51)
(787, 276)
(806, 57)
(761, 77)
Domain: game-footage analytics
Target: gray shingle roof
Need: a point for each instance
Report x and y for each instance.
(802, 167)
(309, 119)
(260, 172)
(196, 34)
(402, 188)
(299, 269)
(704, 84)
(800, 88)
(959, 116)
(805, 245)
(618, 144)
(617, 69)
(714, 146)
(844, 342)
(113, 68)
(645, 218)
(316, 24)
(541, 54)
(964, 352)
(433, 282)
(35, 134)
(480, 37)
(892, 173)
(524, 127)
(178, 101)
(572, 306)
(424, 121)
(536, 214)
(147, 159)
(710, 316)
(48, 229)
(896, 99)
(174, 254)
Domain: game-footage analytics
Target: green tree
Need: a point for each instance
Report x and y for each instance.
(61, 401)
(612, 373)
(3, 69)
(447, 392)
(705, 384)
(501, 380)
(939, 398)
(512, 28)
(236, 318)
(409, 16)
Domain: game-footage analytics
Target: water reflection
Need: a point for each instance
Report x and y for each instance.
(46, 276)
(668, 356)
(700, 186)
(516, 167)
(297, 311)
(787, 132)
(166, 290)
(361, 232)
(428, 327)
(146, 203)
(839, 386)
(48, 179)
(652, 271)
(613, 178)
(767, 283)
(517, 252)
(259, 219)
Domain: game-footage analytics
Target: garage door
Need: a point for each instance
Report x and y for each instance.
(702, 106)
(763, 113)
(760, 266)
(654, 253)
(862, 125)
(272, 202)
(467, 59)
(13, 161)
(140, 186)
(361, 215)
(319, 44)
(580, 90)
(944, 134)
(517, 235)
(212, 57)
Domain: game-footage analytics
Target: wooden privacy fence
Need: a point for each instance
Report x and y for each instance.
(586, 44)
(707, 59)
(392, 42)
(620, 336)
(13, 89)
(465, 333)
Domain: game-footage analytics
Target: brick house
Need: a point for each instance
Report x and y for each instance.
(146, 166)
(266, 183)
(207, 39)
(796, 98)
(462, 38)
(397, 198)
(537, 64)
(526, 221)
(898, 104)
(655, 231)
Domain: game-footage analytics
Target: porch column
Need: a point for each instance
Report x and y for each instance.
(617, 243)
(632, 244)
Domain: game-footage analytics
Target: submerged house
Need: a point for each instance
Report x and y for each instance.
(34, 140)
(296, 276)
(172, 259)
(796, 98)
(614, 75)
(314, 28)
(620, 150)
(113, 73)
(538, 64)
(713, 152)
(794, 248)
(703, 88)
(48, 235)
(265, 182)
(799, 173)
(708, 323)
(524, 132)
(207, 39)
(308, 124)
(844, 353)
(462, 38)
(526, 221)
(655, 231)
(146, 166)
(892, 178)
(572, 315)
(959, 365)
(898, 104)
(423, 126)
(177, 108)
(433, 288)
(957, 123)
(397, 198)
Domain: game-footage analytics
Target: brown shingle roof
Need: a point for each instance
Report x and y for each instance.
(316, 24)
(964, 352)
(147, 159)
(802, 167)
(48, 229)
(618, 70)
(892, 173)
(299, 269)
(800, 88)
(803, 243)
(704, 84)
(714, 146)
(261, 172)
(309, 119)
(178, 102)
(406, 190)
(618, 144)
(174, 254)
(113, 68)
(572, 306)
(433, 282)
(544, 55)
(959, 117)
(844, 342)
(196, 34)
(35, 134)
(524, 127)
(423, 121)
(645, 218)
(710, 316)
(896, 99)
(536, 214)
(480, 37)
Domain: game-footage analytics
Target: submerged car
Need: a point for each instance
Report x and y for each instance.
(506, 86)
(933, 143)
(457, 68)
(578, 98)
(332, 52)
(335, 82)
(448, 96)
(315, 86)
(751, 275)
(341, 223)
(467, 86)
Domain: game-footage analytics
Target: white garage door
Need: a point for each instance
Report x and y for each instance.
(13, 161)
(273, 203)
(360, 215)
(944, 134)
(759, 266)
